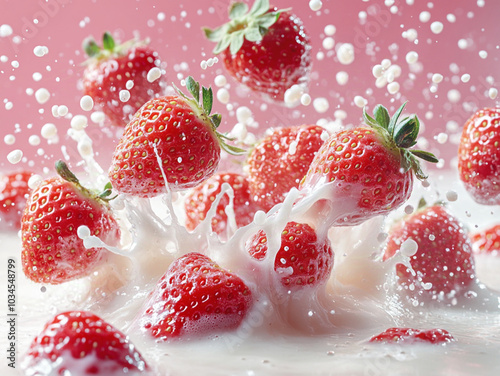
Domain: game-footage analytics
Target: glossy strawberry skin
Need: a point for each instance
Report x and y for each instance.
(104, 78)
(444, 254)
(185, 143)
(200, 200)
(52, 252)
(408, 335)
(479, 156)
(195, 297)
(81, 343)
(14, 190)
(284, 155)
(487, 241)
(363, 169)
(310, 258)
(281, 59)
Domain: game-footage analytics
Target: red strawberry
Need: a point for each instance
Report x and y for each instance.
(407, 335)
(444, 253)
(200, 200)
(265, 49)
(14, 190)
(284, 155)
(108, 71)
(52, 252)
(195, 297)
(479, 156)
(310, 258)
(172, 135)
(487, 241)
(80, 343)
(369, 168)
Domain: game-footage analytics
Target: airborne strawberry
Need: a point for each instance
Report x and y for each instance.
(408, 336)
(14, 190)
(265, 49)
(370, 168)
(479, 156)
(52, 252)
(114, 70)
(79, 343)
(200, 200)
(284, 155)
(195, 297)
(487, 241)
(172, 138)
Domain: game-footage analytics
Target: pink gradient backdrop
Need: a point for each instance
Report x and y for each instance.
(178, 38)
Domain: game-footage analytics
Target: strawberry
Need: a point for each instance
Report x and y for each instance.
(52, 252)
(80, 343)
(285, 154)
(479, 156)
(195, 297)
(369, 168)
(443, 263)
(408, 335)
(14, 190)
(487, 241)
(200, 200)
(265, 49)
(310, 258)
(109, 69)
(173, 136)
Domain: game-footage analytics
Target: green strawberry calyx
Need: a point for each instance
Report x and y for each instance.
(401, 135)
(204, 108)
(109, 47)
(243, 25)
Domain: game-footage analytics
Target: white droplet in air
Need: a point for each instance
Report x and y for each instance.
(243, 113)
(42, 95)
(97, 117)
(483, 54)
(220, 80)
(223, 95)
(342, 77)
(34, 181)
(424, 16)
(409, 247)
(451, 195)
(34, 140)
(293, 94)
(393, 87)
(437, 78)
(492, 93)
(345, 53)
(442, 137)
(15, 156)
(360, 101)
(5, 30)
(79, 122)
(124, 95)
(40, 51)
(321, 105)
(87, 103)
(83, 232)
(411, 57)
(437, 27)
(129, 85)
(62, 110)
(48, 131)
(9, 139)
(465, 77)
(315, 5)
(9, 106)
(453, 95)
(328, 43)
(305, 99)
(330, 30)
(154, 74)
(409, 209)
(377, 71)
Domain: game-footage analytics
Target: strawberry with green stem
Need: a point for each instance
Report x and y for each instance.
(172, 138)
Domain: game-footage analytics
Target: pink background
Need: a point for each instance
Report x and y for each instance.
(178, 38)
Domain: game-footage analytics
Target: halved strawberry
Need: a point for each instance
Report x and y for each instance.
(487, 241)
(195, 297)
(80, 343)
(14, 190)
(52, 252)
(409, 336)
(114, 68)
(172, 138)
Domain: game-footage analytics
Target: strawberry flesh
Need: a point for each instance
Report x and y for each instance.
(409, 336)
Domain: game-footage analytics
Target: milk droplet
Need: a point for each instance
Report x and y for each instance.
(62, 110)
(124, 95)
(79, 122)
(437, 27)
(86, 103)
(393, 87)
(243, 113)
(34, 181)
(330, 30)
(315, 5)
(409, 247)
(411, 57)
(321, 105)
(483, 54)
(15, 156)
(129, 85)
(465, 77)
(492, 93)
(451, 195)
(377, 71)
(454, 95)
(40, 51)
(409, 209)
(328, 43)
(42, 95)
(97, 117)
(424, 16)
(342, 77)
(83, 232)
(5, 30)
(360, 101)
(34, 140)
(305, 99)
(437, 78)
(154, 74)
(223, 95)
(9, 139)
(48, 131)
(345, 53)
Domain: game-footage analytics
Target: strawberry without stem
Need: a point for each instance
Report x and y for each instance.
(310, 258)
(265, 49)
(108, 71)
(52, 252)
(479, 156)
(80, 343)
(14, 190)
(279, 162)
(195, 297)
(172, 135)
(370, 166)
(408, 335)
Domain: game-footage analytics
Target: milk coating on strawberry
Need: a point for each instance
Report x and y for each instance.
(266, 49)
(51, 251)
(114, 69)
(195, 297)
(479, 156)
(369, 167)
(443, 265)
(14, 190)
(173, 139)
(412, 336)
(79, 343)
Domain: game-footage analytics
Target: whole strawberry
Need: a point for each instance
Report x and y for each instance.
(310, 258)
(195, 297)
(370, 168)
(200, 200)
(479, 156)
(52, 252)
(408, 336)
(487, 241)
(116, 71)
(172, 138)
(284, 155)
(265, 49)
(79, 343)
(14, 190)
(443, 262)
